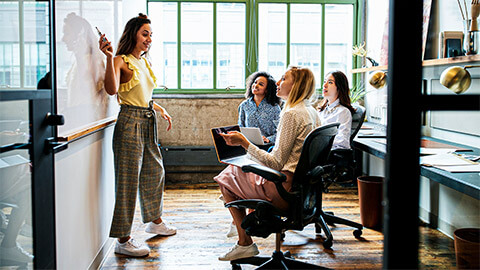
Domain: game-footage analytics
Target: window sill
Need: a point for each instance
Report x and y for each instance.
(198, 96)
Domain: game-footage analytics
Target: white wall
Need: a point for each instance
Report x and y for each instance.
(84, 196)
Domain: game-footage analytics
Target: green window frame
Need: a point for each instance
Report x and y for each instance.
(252, 37)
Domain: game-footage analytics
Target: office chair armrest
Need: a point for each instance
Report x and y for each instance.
(273, 176)
(265, 172)
(254, 204)
(341, 152)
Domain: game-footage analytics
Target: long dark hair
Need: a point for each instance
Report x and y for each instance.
(128, 41)
(343, 90)
(271, 95)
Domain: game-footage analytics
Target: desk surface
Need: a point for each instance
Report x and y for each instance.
(467, 183)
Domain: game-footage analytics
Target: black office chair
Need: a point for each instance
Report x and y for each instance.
(341, 168)
(304, 198)
(345, 166)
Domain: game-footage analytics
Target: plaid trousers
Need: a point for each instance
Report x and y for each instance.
(138, 167)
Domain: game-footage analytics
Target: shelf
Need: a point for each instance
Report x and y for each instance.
(427, 63)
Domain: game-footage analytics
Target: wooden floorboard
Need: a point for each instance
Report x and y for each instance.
(202, 223)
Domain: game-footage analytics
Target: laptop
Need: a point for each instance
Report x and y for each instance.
(233, 155)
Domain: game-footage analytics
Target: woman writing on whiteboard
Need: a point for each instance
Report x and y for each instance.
(138, 161)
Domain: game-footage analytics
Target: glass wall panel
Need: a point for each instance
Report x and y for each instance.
(164, 46)
(9, 45)
(24, 49)
(230, 45)
(197, 45)
(306, 38)
(36, 43)
(272, 38)
(16, 240)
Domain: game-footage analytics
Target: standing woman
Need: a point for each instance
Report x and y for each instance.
(138, 161)
(336, 107)
(261, 107)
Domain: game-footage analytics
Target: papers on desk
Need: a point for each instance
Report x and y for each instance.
(435, 151)
(450, 162)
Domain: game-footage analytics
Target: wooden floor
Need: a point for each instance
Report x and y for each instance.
(202, 223)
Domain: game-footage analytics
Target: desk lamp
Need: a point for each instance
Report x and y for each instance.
(378, 79)
(456, 78)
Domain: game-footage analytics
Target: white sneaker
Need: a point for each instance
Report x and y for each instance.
(239, 252)
(131, 248)
(160, 229)
(232, 231)
(16, 254)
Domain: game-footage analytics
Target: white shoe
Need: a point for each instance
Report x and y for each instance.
(160, 229)
(232, 231)
(239, 252)
(131, 248)
(16, 254)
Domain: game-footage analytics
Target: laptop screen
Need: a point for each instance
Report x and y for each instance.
(225, 151)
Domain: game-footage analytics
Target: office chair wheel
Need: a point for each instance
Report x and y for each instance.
(328, 244)
(357, 233)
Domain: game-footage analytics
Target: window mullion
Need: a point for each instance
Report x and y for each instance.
(21, 41)
(179, 45)
(322, 53)
(288, 34)
(214, 46)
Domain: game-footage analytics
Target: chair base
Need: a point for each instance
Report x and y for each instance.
(330, 219)
(278, 260)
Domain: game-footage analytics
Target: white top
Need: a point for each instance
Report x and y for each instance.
(337, 113)
(294, 126)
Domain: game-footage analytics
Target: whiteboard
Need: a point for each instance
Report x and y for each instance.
(80, 70)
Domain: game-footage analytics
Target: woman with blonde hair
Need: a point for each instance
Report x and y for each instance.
(297, 119)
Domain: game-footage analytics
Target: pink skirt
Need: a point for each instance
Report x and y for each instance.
(243, 185)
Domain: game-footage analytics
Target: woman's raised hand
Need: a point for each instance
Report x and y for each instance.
(105, 46)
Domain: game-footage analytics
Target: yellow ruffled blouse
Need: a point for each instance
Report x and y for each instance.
(138, 91)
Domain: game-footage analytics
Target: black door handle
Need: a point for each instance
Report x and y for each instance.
(54, 119)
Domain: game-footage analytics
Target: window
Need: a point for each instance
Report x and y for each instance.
(212, 46)
(22, 66)
(211, 40)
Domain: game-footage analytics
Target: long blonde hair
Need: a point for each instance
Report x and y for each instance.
(303, 86)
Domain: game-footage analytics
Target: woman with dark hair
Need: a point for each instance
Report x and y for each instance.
(137, 158)
(261, 107)
(336, 107)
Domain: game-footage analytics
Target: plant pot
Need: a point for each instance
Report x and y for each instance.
(467, 248)
(370, 196)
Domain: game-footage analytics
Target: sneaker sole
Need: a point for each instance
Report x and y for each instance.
(131, 254)
(161, 234)
(237, 258)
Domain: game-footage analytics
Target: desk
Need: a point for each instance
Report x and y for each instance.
(466, 183)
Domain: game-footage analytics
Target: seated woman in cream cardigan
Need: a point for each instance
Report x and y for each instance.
(297, 119)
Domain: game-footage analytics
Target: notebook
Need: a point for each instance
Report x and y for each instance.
(233, 155)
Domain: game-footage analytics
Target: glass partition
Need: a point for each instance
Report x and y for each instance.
(16, 242)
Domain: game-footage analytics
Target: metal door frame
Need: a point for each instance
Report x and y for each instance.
(41, 154)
